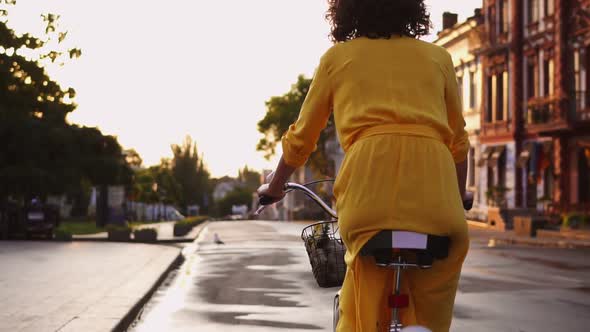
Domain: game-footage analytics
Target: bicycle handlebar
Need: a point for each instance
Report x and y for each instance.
(295, 186)
(264, 201)
(468, 202)
(290, 186)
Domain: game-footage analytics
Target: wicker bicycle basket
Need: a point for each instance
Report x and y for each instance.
(326, 253)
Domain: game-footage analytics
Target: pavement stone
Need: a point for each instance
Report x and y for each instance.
(496, 237)
(76, 286)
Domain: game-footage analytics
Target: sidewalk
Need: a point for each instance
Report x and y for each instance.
(496, 237)
(77, 286)
(165, 233)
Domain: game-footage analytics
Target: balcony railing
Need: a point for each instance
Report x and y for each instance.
(541, 111)
(544, 114)
(497, 128)
(532, 28)
(549, 22)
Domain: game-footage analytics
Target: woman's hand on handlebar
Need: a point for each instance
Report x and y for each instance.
(468, 200)
(274, 191)
(268, 194)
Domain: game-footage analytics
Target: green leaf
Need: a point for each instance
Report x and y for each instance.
(75, 53)
(62, 36)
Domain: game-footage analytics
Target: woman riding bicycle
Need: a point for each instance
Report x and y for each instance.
(398, 116)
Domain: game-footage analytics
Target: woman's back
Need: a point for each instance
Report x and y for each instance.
(378, 81)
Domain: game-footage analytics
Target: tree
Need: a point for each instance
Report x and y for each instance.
(238, 196)
(190, 172)
(133, 158)
(249, 179)
(157, 184)
(41, 153)
(281, 112)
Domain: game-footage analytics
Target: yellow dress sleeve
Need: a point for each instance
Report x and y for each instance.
(301, 138)
(460, 144)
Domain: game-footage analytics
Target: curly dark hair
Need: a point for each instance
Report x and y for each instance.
(377, 18)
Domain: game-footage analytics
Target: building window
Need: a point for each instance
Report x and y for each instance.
(471, 167)
(504, 19)
(497, 174)
(460, 87)
(533, 11)
(584, 175)
(472, 89)
(491, 27)
(497, 97)
(502, 170)
(531, 190)
(581, 78)
(548, 183)
(500, 98)
(586, 77)
(490, 97)
(531, 82)
(505, 108)
(491, 179)
(549, 7)
(548, 77)
(499, 111)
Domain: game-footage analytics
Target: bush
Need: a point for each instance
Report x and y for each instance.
(575, 220)
(61, 235)
(119, 233)
(80, 226)
(184, 226)
(145, 235)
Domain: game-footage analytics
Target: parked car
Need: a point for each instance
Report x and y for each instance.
(10, 219)
(3, 222)
(41, 219)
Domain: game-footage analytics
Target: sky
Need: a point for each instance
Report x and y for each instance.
(152, 72)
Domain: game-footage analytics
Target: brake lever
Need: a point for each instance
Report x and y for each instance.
(264, 201)
(260, 209)
(468, 201)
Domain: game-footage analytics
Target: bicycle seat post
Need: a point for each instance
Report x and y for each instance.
(396, 325)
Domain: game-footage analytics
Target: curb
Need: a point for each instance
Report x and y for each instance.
(129, 318)
(132, 314)
(164, 241)
(478, 224)
(545, 244)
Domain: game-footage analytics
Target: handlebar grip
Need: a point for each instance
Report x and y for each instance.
(468, 203)
(265, 200)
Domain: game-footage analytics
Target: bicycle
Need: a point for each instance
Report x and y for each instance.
(393, 249)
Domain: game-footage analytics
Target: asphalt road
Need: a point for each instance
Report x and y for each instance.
(260, 280)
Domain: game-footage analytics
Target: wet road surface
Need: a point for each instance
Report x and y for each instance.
(260, 280)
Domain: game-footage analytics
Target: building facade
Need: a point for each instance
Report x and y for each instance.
(463, 42)
(578, 145)
(500, 117)
(535, 119)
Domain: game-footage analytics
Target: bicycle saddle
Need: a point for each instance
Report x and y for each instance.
(425, 247)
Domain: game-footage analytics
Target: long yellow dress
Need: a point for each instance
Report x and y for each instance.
(398, 116)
